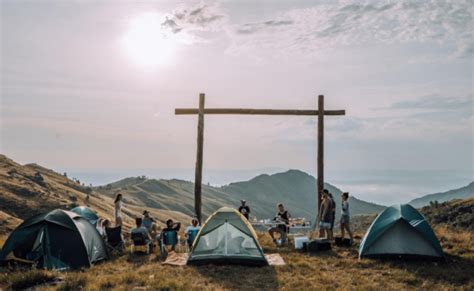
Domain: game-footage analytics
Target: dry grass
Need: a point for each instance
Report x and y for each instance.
(339, 268)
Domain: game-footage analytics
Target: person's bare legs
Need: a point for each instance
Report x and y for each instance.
(343, 225)
(118, 221)
(321, 232)
(348, 227)
(271, 231)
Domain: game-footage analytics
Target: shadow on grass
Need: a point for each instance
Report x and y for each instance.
(455, 270)
(238, 277)
(138, 258)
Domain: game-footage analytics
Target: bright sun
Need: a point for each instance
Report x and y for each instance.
(146, 43)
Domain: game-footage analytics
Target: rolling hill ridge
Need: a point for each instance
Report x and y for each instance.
(294, 188)
(460, 193)
(26, 190)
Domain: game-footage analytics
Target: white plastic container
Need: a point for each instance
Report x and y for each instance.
(299, 240)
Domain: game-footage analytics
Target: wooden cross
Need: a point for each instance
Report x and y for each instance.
(201, 111)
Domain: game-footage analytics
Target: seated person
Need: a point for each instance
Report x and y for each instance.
(170, 227)
(192, 229)
(149, 223)
(282, 220)
(141, 230)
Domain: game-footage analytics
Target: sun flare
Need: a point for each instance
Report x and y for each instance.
(146, 43)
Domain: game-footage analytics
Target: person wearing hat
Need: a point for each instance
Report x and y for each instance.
(244, 209)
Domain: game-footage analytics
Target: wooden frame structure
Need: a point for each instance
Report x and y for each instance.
(201, 111)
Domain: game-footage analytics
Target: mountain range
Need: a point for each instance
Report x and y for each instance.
(460, 193)
(29, 189)
(294, 188)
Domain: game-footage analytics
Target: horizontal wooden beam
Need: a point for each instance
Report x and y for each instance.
(188, 111)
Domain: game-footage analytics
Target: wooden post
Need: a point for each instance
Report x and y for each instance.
(198, 172)
(201, 111)
(320, 150)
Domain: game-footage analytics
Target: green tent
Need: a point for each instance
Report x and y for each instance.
(227, 238)
(87, 213)
(400, 231)
(55, 240)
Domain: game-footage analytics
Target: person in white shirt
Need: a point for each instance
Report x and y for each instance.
(118, 209)
(345, 216)
(194, 227)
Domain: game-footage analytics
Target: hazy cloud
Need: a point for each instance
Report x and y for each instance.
(202, 17)
(250, 28)
(437, 102)
(353, 23)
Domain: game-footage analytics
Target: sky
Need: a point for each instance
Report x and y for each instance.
(90, 87)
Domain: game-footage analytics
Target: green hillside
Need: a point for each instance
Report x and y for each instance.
(460, 193)
(296, 189)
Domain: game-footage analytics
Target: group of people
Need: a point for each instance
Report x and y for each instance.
(325, 221)
(147, 227)
(327, 216)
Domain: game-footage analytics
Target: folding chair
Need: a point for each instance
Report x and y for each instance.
(168, 238)
(285, 237)
(115, 242)
(192, 233)
(139, 240)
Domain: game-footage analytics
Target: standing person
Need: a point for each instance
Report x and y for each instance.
(244, 209)
(283, 220)
(345, 216)
(333, 212)
(118, 209)
(324, 217)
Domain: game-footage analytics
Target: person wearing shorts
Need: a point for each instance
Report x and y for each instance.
(345, 216)
(325, 217)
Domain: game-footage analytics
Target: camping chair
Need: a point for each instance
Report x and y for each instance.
(168, 238)
(191, 237)
(284, 235)
(139, 240)
(115, 242)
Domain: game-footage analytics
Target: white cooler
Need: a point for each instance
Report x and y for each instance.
(299, 240)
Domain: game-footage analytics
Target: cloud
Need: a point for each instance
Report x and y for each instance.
(201, 18)
(437, 102)
(431, 118)
(369, 22)
(250, 28)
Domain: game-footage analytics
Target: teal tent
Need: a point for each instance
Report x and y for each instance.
(400, 231)
(87, 213)
(227, 238)
(55, 240)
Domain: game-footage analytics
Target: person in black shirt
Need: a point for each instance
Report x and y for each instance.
(244, 209)
(282, 219)
(171, 226)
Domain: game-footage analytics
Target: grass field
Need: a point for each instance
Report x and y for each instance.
(338, 268)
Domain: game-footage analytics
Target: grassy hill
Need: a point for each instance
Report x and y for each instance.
(339, 268)
(460, 193)
(26, 190)
(456, 214)
(296, 189)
